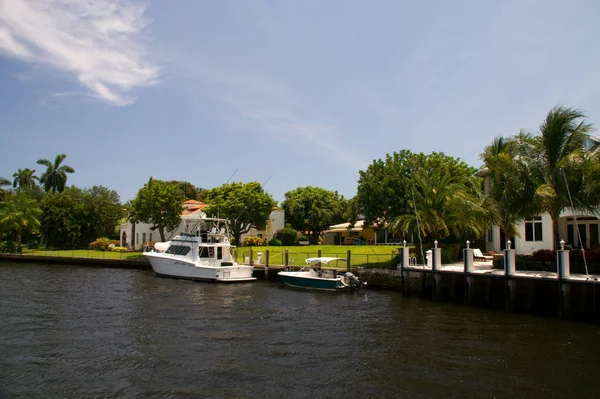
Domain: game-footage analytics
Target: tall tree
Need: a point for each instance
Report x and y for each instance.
(245, 205)
(444, 205)
(19, 213)
(25, 178)
(508, 183)
(313, 209)
(3, 183)
(556, 156)
(159, 203)
(55, 177)
(68, 219)
(107, 208)
(385, 189)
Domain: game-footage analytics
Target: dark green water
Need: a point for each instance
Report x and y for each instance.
(75, 332)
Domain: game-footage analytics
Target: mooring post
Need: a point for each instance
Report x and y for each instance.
(436, 254)
(404, 259)
(509, 272)
(563, 271)
(267, 264)
(348, 253)
(468, 264)
(285, 259)
(319, 253)
(250, 260)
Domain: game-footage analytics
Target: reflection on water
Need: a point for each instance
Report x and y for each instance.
(85, 332)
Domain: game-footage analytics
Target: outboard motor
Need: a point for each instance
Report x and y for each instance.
(354, 281)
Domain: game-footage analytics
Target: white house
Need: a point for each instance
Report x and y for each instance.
(577, 229)
(275, 223)
(134, 236)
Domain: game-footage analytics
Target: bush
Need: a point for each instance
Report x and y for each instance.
(287, 236)
(118, 249)
(450, 253)
(8, 246)
(544, 255)
(253, 242)
(274, 242)
(103, 243)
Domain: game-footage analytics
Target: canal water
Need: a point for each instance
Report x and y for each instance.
(81, 332)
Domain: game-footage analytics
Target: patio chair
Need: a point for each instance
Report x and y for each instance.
(478, 255)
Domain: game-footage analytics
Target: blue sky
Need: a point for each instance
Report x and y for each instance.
(294, 92)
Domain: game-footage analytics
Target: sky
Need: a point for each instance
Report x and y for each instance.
(286, 93)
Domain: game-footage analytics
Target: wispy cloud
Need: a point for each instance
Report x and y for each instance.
(97, 41)
(269, 106)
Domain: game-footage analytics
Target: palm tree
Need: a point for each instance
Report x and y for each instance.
(55, 176)
(25, 178)
(18, 213)
(3, 183)
(443, 206)
(558, 158)
(508, 184)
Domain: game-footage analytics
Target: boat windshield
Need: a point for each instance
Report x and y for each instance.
(178, 250)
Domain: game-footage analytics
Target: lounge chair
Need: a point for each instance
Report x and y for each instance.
(478, 255)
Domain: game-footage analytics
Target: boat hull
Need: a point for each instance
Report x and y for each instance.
(300, 280)
(176, 268)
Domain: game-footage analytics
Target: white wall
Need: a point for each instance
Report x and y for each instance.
(527, 247)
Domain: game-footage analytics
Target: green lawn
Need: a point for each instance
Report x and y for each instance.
(84, 253)
(374, 256)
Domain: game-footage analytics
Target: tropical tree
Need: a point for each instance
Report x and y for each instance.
(556, 163)
(385, 188)
(444, 205)
(245, 205)
(68, 219)
(55, 177)
(508, 184)
(19, 213)
(107, 208)
(25, 178)
(159, 203)
(313, 210)
(3, 183)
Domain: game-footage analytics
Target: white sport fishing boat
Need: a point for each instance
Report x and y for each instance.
(202, 252)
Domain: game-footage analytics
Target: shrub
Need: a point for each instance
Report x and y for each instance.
(274, 242)
(544, 255)
(450, 253)
(8, 246)
(287, 236)
(253, 242)
(103, 243)
(119, 249)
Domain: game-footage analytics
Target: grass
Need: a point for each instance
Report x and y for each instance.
(372, 256)
(359, 254)
(83, 253)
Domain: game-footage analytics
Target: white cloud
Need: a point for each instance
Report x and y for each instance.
(267, 105)
(96, 40)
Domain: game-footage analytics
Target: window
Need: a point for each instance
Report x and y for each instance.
(206, 252)
(490, 235)
(150, 239)
(137, 237)
(533, 229)
(219, 252)
(143, 238)
(178, 250)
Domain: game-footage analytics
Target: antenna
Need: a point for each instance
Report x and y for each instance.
(575, 220)
(230, 177)
(418, 228)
